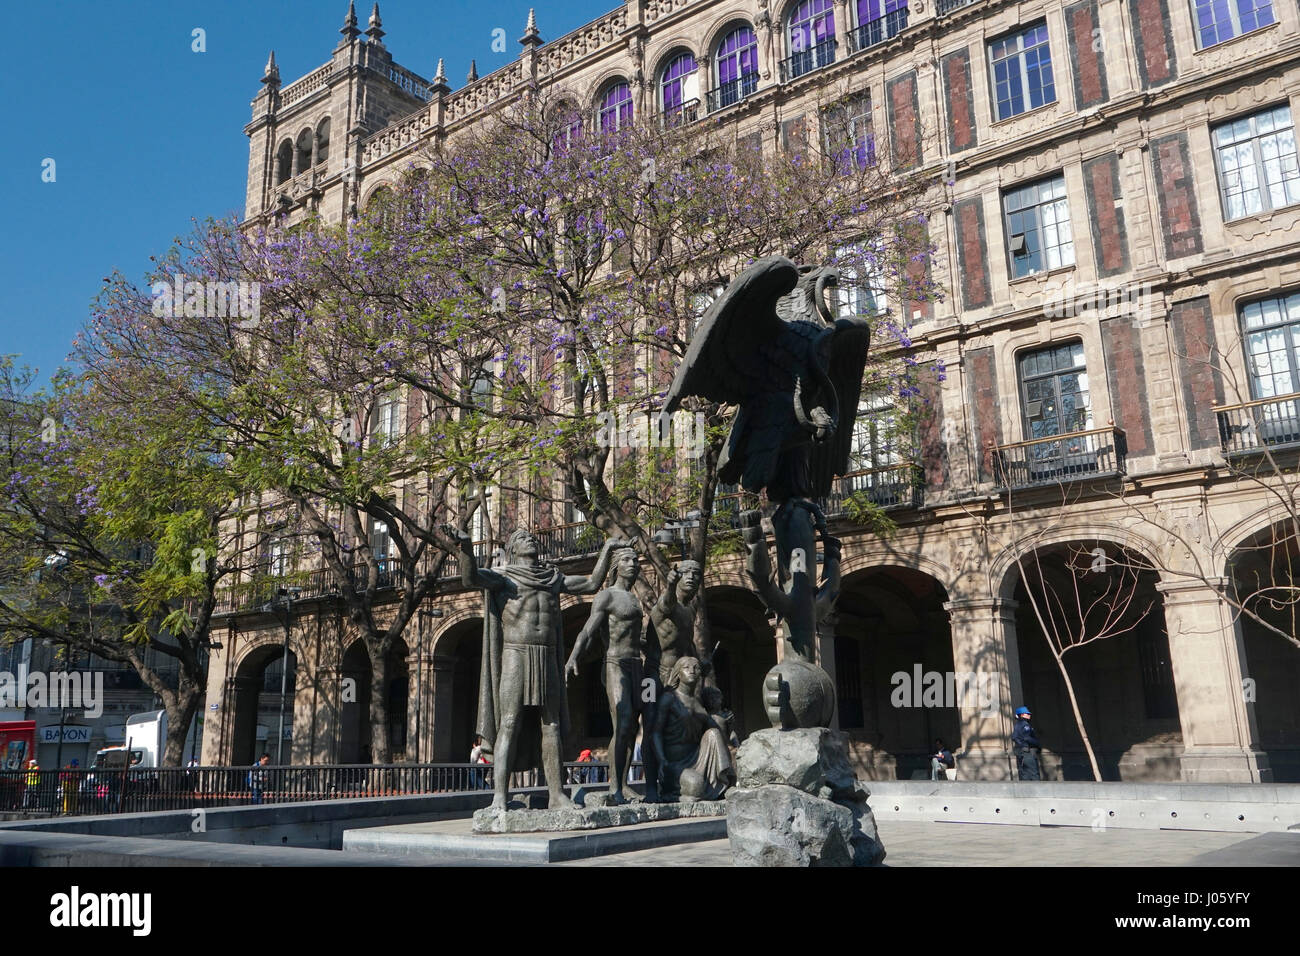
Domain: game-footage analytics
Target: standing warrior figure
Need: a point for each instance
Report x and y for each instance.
(521, 654)
(616, 616)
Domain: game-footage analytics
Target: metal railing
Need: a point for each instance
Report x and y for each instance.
(688, 112)
(878, 30)
(805, 61)
(730, 93)
(83, 792)
(1076, 456)
(943, 7)
(1264, 423)
(890, 486)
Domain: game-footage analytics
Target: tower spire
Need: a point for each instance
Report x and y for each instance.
(271, 75)
(374, 29)
(440, 79)
(350, 31)
(531, 38)
(473, 72)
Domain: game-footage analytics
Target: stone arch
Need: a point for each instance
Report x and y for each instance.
(1123, 681)
(744, 650)
(733, 19)
(859, 560)
(284, 162)
(302, 152)
(609, 78)
(379, 191)
(452, 698)
(354, 717)
(1260, 566)
(1005, 574)
(782, 23)
(323, 140)
(890, 653)
(256, 702)
(1238, 534)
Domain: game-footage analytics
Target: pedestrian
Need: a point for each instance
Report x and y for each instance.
(69, 782)
(257, 777)
(1024, 743)
(478, 757)
(31, 796)
(586, 774)
(941, 761)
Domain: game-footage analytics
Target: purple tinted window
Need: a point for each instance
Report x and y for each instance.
(811, 23)
(737, 55)
(869, 10)
(570, 127)
(675, 74)
(616, 108)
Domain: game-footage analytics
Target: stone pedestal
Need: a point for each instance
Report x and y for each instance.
(797, 803)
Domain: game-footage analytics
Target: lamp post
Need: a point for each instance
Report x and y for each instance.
(288, 594)
(419, 679)
(676, 531)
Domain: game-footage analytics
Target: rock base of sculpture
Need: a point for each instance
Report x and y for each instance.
(489, 820)
(797, 803)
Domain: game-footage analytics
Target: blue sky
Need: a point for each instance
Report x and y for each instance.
(147, 134)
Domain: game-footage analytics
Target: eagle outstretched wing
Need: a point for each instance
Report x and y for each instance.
(848, 359)
(726, 360)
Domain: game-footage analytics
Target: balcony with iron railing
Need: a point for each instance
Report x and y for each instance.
(899, 485)
(944, 7)
(1266, 423)
(878, 30)
(730, 93)
(687, 112)
(805, 61)
(1059, 459)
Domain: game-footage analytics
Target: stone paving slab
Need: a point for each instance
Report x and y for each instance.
(489, 820)
(910, 843)
(1267, 849)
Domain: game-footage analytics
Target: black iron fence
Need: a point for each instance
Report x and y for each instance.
(890, 486)
(878, 30)
(83, 792)
(943, 7)
(1077, 456)
(1266, 423)
(730, 93)
(805, 61)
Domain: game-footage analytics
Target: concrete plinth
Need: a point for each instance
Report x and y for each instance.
(489, 820)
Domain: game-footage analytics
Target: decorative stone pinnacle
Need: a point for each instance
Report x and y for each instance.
(473, 72)
(350, 30)
(440, 78)
(531, 38)
(374, 30)
(271, 75)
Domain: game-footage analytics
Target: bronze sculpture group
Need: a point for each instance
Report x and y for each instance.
(795, 381)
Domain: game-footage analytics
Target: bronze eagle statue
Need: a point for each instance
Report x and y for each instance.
(796, 380)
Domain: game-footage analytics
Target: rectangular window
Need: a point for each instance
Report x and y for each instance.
(1022, 72)
(1272, 331)
(1054, 390)
(380, 541)
(1038, 227)
(848, 135)
(1219, 20)
(1257, 163)
(862, 281)
(388, 419)
(278, 557)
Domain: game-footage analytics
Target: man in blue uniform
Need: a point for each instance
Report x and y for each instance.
(1024, 742)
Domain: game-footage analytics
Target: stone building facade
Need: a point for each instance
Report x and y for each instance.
(1135, 156)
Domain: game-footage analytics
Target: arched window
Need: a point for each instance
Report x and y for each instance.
(878, 20)
(616, 108)
(568, 127)
(737, 59)
(323, 141)
(284, 162)
(679, 85)
(810, 32)
(302, 156)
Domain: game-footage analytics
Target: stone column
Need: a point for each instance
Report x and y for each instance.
(1206, 652)
(986, 659)
(440, 681)
(420, 710)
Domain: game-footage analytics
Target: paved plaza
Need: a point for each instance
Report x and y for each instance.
(963, 844)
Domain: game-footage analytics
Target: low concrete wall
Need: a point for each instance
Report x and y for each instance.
(1244, 807)
(316, 825)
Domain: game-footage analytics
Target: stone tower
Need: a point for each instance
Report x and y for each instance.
(304, 139)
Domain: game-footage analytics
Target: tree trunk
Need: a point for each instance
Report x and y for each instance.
(181, 708)
(1078, 716)
(381, 750)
